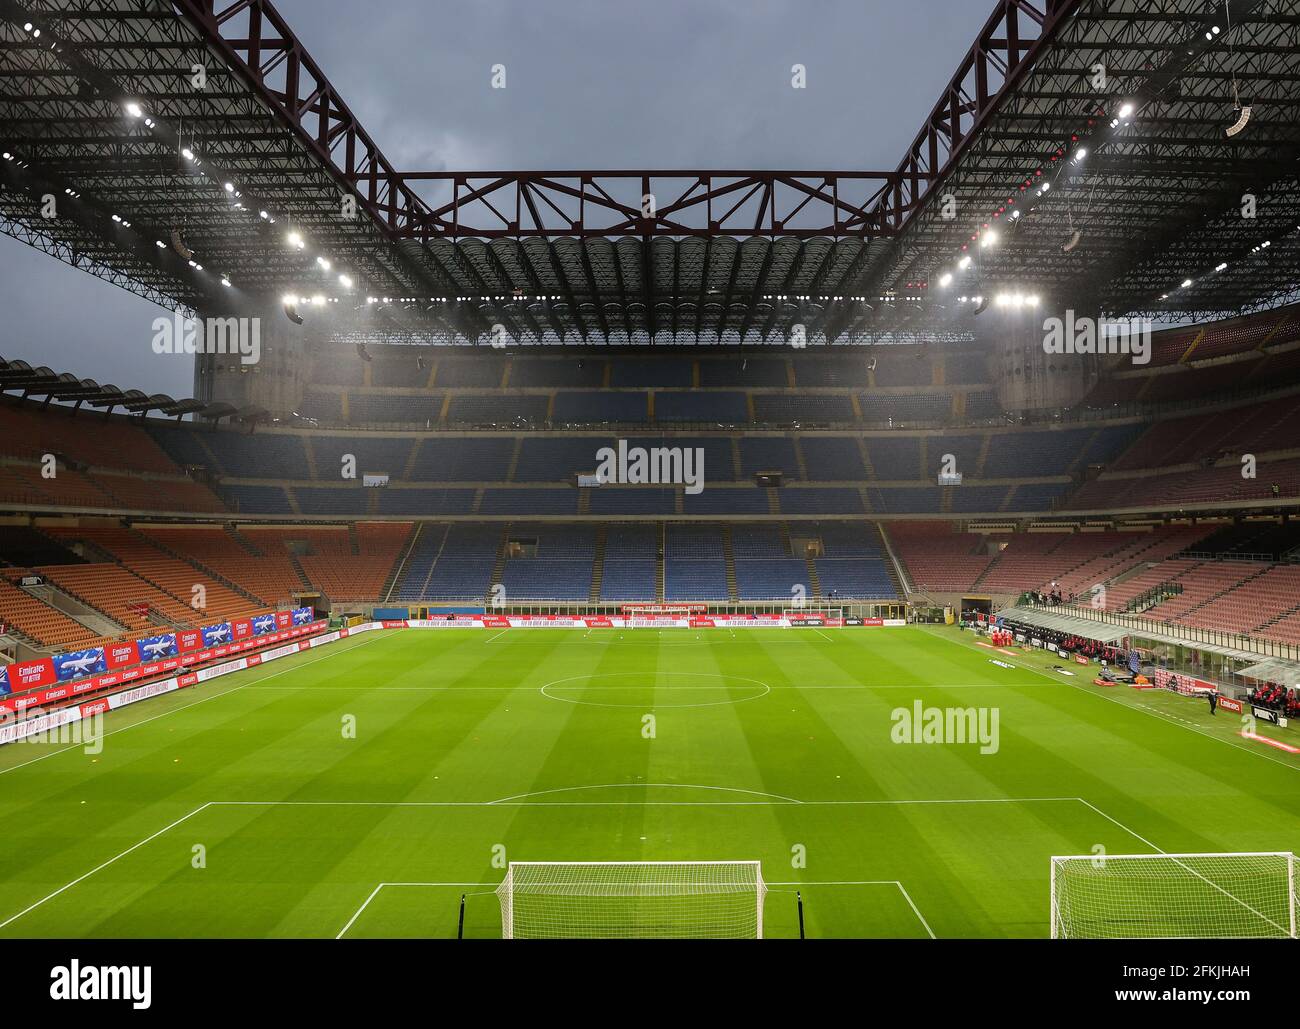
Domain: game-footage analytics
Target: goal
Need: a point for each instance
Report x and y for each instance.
(650, 615)
(813, 616)
(632, 900)
(1147, 896)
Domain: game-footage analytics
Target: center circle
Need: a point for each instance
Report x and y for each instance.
(678, 689)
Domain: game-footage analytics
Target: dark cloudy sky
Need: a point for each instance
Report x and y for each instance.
(601, 84)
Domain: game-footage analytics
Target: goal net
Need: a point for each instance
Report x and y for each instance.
(813, 616)
(632, 900)
(1214, 896)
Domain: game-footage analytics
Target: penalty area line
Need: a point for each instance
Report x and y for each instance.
(488, 887)
(103, 865)
(521, 800)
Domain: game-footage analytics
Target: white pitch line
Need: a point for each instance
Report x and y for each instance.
(362, 691)
(1116, 821)
(357, 914)
(1141, 708)
(1215, 886)
(186, 707)
(647, 785)
(375, 892)
(87, 875)
(506, 800)
(801, 883)
(835, 882)
(869, 882)
(907, 897)
(521, 800)
(495, 635)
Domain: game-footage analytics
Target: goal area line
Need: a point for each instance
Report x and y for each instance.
(788, 887)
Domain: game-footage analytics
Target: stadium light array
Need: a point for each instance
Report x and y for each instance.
(1016, 300)
(134, 109)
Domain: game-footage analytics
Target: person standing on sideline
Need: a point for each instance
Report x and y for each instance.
(1214, 701)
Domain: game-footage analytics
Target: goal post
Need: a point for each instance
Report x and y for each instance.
(1175, 896)
(632, 900)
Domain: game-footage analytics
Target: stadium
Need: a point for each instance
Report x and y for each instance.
(906, 554)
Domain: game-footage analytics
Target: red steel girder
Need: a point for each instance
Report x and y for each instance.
(611, 203)
(1009, 44)
(259, 45)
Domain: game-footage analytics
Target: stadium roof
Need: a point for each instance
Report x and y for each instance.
(101, 109)
(1273, 669)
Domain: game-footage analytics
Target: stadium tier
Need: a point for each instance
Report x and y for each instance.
(41, 623)
(388, 544)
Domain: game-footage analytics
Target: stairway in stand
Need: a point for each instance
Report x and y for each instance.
(598, 566)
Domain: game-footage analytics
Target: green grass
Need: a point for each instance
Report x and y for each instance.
(766, 741)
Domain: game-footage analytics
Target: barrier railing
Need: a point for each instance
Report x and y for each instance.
(1190, 635)
(875, 607)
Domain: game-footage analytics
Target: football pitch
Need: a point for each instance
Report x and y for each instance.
(359, 790)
